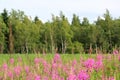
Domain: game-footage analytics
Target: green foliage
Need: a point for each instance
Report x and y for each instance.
(57, 35)
(76, 47)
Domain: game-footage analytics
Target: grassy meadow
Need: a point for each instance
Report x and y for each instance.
(60, 67)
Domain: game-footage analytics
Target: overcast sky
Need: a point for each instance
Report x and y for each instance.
(44, 8)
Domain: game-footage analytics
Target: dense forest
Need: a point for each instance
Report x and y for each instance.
(20, 34)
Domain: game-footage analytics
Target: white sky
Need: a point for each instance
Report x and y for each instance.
(44, 8)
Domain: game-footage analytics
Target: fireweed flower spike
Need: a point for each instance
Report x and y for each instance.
(83, 76)
(12, 60)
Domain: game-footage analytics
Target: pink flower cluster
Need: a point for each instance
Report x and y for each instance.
(115, 51)
(92, 64)
(54, 69)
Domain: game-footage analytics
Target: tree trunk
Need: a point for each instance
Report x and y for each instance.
(96, 49)
(26, 47)
(52, 43)
(90, 49)
(65, 46)
(62, 42)
(10, 39)
(46, 44)
(1, 49)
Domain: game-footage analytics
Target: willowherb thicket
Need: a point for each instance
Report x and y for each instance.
(100, 67)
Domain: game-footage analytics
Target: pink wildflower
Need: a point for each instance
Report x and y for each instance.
(12, 60)
(10, 74)
(115, 52)
(45, 78)
(26, 69)
(5, 66)
(98, 64)
(111, 78)
(99, 57)
(54, 76)
(37, 77)
(54, 65)
(71, 77)
(119, 58)
(74, 62)
(83, 76)
(56, 58)
(89, 63)
(17, 70)
(29, 76)
(36, 61)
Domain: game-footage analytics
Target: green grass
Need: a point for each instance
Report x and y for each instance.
(48, 57)
(111, 62)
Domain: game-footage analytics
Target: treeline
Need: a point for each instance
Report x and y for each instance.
(20, 34)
